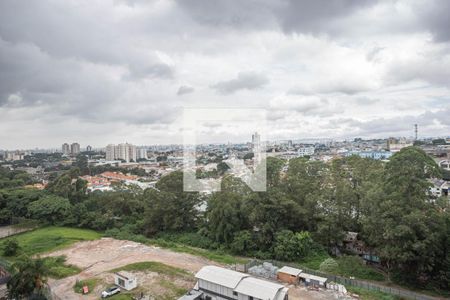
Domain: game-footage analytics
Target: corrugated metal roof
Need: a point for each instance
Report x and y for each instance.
(313, 277)
(258, 288)
(221, 276)
(290, 271)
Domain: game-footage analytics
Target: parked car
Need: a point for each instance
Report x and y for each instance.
(110, 291)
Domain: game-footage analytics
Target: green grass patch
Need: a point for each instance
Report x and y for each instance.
(173, 291)
(58, 268)
(214, 255)
(371, 295)
(154, 266)
(354, 266)
(121, 297)
(314, 259)
(91, 283)
(52, 238)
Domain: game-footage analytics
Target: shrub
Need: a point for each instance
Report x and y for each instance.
(10, 247)
(329, 265)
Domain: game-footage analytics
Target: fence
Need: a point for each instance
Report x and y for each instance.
(347, 281)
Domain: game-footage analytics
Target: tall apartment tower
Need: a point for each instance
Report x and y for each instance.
(65, 149)
(126, 152)
(75, 148)
(256, 145)
(111, 152)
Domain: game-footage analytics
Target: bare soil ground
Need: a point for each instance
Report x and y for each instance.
(100, 256)
(97, 258)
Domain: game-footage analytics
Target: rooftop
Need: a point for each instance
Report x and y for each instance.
(258, 288)
(220, 276)
(290, 271)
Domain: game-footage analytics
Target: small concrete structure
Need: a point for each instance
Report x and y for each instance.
(288, 275)
(125, 280)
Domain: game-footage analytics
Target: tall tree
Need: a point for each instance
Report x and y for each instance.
(28, 279)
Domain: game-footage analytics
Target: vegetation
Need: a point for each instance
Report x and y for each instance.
(153, 266)
(303, 217)
(10, 247)
(51, 238)
(28, 279)
(57, 268)
(91, 283)
(371, 295)
(173, 291)
(353, 266)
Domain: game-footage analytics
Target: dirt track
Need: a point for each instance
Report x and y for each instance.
(97, 257)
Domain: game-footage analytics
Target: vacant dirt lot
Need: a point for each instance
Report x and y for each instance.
(98, 257)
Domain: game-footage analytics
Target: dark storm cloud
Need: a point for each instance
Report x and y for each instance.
(244, 81)
(318, 16)
(250, 14)
(301, 16)
(435, 17)
(185, 89)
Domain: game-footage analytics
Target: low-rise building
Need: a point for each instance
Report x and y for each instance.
(223, 284)
(125, 280)
(289, 275)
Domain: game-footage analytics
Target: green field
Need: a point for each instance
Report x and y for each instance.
(49, 239)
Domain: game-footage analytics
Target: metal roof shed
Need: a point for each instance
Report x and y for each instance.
(220, 276)
(260, 289)
(288, 274)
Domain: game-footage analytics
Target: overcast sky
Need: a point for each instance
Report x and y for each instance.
(110, 71)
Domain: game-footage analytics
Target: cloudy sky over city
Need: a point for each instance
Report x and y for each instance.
(110, 71)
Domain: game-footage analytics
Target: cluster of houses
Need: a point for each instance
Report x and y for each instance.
(105, 181)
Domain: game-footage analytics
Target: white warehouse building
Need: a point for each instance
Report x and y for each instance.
(217, 283)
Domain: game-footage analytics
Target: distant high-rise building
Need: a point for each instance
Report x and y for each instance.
(256, 145)
(111, 152)
(89, 148)
(142, 153)
(66, 149)
(75, 148)
(126, 152)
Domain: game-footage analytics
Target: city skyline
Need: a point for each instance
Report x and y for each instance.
(118, 70)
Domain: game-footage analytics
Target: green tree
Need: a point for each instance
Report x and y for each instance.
(52, 209)
(402, 223)
(290, 246)
(225, 216)
(329, 265)
(10, 247)
(28, 278)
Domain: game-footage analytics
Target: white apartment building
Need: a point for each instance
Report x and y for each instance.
(126, 152)
(66, 149)
(305, 151)
(142, 153)
(75, 148)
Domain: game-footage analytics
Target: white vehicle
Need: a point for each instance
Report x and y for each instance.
(110, 291)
